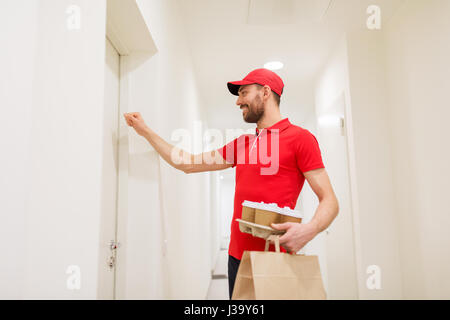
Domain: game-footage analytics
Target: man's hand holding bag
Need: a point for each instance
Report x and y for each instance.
(265, 275)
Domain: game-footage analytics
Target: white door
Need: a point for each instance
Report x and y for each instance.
(110, 166)
(341, 263)
(227, 188)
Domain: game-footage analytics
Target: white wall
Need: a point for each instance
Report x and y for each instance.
(373, 159)
(418, 68)
(358, 71)
(56, 95)
(227, 189)
(66, 139)
(396, 91)
(16, 59)
(215, 216)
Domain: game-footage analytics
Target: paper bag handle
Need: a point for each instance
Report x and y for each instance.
(274, 238)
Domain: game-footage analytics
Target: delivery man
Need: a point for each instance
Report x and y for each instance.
(293, 155)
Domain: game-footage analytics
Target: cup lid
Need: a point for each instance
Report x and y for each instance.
(273, 207)
(293, 213)
(250, 204)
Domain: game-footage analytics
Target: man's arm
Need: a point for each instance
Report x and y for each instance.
(176, 157)
(298, 235)
(328, 204)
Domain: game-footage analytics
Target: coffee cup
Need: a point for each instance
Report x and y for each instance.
(248, 211)
(266, 217)
(267, 213)
(289, 215)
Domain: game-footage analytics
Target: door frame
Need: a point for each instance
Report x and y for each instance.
(127, 31)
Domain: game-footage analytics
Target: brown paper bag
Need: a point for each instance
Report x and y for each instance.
(264, 275)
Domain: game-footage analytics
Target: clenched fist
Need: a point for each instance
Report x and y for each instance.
(135, 120)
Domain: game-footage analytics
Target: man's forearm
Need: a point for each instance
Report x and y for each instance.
(325, 214)
(168, 152)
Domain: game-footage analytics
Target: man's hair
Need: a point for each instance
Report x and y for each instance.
(275, 95)
(277, 98)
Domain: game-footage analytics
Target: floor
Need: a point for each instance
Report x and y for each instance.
(218, 288)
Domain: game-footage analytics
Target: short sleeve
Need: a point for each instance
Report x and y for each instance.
(228, 152)
(308, 152)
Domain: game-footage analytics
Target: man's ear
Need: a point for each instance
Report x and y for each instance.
(266, 92)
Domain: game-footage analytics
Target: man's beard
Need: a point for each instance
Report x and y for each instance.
(255, 111)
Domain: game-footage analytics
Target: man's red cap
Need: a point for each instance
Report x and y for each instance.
(259, 76)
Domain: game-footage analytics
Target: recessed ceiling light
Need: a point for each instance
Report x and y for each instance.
(273, 65)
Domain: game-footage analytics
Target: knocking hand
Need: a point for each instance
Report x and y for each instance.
(297, 234)
(135, 120)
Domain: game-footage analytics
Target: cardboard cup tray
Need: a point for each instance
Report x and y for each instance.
(257, 230)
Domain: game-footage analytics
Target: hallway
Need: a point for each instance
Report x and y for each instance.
(218, 287)
(91, 210)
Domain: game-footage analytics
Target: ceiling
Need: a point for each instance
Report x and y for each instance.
(230, 38)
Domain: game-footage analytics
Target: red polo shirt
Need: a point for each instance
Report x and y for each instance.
(269, 168)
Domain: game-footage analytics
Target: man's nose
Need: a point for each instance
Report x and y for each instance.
(238, 101)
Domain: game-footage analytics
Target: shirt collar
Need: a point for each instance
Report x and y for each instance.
(280, 125)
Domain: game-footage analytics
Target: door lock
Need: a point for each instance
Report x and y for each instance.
(113, 245)
(111, 262)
